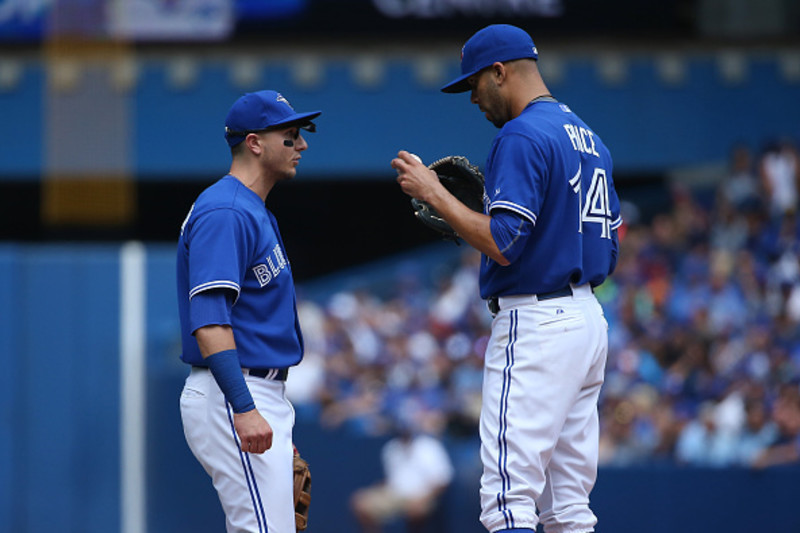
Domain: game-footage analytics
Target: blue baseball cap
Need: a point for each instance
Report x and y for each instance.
(261, 111)
(498, 42)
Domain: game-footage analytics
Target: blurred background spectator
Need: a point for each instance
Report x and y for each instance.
(785, 448)
(704, 343)
(417, 471)
(780, 173)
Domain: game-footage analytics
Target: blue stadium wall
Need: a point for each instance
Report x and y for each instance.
(60, 426)
(656, 110)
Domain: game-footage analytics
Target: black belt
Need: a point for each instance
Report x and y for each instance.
(277, 374)
(494, 301)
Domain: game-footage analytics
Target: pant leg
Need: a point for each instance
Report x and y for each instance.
(572, 472)
(255, 490)
(535, 366)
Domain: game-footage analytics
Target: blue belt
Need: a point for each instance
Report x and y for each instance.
(494, 302)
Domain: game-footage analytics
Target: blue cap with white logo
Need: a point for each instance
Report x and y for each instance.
(498, 42)
(261, 111)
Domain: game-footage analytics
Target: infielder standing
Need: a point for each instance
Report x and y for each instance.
(548, 236)
(239, 322)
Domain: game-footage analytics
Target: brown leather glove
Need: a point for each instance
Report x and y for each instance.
(302, 491)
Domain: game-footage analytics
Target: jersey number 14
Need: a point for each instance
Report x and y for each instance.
(595, 210)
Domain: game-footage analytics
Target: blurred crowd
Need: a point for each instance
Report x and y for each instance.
(704, 314)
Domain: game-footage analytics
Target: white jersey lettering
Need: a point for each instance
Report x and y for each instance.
(582, 139)
(263, 275)
(587, 148)
(276, 262)
(279, 257)
(597, 209)
(573, 136)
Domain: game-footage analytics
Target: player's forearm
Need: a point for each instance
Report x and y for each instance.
(473, 227)
(214, 338)
(219, 351)
(476, 231)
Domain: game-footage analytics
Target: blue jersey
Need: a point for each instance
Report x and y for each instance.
(230, 240)
(549, 167)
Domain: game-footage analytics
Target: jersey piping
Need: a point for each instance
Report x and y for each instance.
(524, 211)
(216, 284)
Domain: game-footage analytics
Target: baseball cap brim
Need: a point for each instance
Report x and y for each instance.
(302, 120)
(460, 84)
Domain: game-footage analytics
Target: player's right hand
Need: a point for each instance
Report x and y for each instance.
(255, 433)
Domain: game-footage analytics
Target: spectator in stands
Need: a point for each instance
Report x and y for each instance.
(740, 188)
(758, 433)
(624, 439)
(699, 443)
(779, 170)
(786, 415)
(417, 470)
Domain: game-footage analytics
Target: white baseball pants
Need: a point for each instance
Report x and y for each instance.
(255, 490)
(544, 367)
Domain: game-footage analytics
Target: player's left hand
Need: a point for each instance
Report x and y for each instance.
(255, 433)
(415, 179)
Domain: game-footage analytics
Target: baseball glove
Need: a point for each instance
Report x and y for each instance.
(464, 181)
(302, 492)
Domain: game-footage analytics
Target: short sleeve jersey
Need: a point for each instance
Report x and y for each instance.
(230, 240)
(549, 167)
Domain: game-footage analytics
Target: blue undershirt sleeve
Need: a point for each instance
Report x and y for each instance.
(211, 307)
(614, 251)
(510, 231)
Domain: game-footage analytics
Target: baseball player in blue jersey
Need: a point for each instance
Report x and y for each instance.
(239, 322)
(548, 237)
